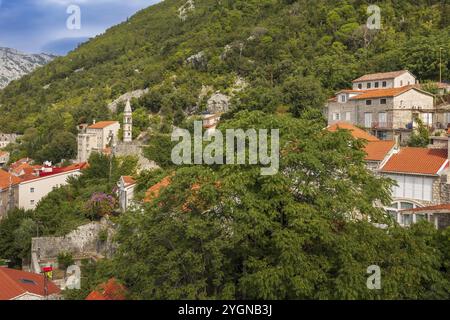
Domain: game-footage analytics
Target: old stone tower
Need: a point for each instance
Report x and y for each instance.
(128, 123)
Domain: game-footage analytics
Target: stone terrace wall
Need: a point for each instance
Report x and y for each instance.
(82, 241)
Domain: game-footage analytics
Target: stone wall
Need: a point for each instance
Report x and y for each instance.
(443, 220)
(135, 149)
(80, 242)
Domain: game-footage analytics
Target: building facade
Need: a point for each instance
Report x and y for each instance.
(9, 192)
(421, 177)
(385, 103)
(34, 187)
(126, 186)
(4, 158)
(96, 138)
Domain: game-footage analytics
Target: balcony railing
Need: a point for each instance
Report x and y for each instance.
(382, 125)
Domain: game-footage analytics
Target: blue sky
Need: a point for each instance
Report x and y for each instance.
(36, 26)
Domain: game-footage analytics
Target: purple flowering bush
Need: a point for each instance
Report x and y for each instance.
(99, 205)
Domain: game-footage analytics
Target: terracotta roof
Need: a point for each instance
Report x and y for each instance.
(356, 132)
(102, 124)
(25, 167)
(441, 207)
(110, 290)
(42, 174)
(3, 153)
(380, 76)
(20, 161)
(154, 191)
(128, 180)
(417, 161)
(6, 178)
(383, 93)
(14, 283)
(378, 150)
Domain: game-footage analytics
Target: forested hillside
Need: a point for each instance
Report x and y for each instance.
(284, 50)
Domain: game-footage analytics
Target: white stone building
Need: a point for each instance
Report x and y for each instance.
(36, 186)
(4, 158)
(96, 138)
(422, 190)
(126, 186)
(385, 103)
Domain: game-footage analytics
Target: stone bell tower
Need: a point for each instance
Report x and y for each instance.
(128, 123)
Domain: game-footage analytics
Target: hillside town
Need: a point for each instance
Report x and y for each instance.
(236, 154)
(381, 109)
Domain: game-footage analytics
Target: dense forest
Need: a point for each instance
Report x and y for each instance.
(285, 50)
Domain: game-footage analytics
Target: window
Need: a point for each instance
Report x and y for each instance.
(407, 219)
(377, 84)
(368, 102)
(384, 84)
(31, 190)
(369, 85)
(414, 187)
(32, 202)
(359, 86)
(368, 120)
(382, 118)
(427, 118)
(406, 205)
(401, 83)
(383, 101)
(393, 215)
(343, 98)
(27, 281)
(421, 217)
(348, 116)
(336, 116)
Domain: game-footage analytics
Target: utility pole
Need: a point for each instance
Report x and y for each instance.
(11, 202)
(440, 65)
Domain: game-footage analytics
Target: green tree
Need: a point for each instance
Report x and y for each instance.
(304, 233)
(302, 94)
(420, 136)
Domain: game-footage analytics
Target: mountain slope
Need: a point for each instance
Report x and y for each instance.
(14, 64)
(279, 48)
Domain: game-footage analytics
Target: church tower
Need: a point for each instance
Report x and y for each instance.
(128, 123)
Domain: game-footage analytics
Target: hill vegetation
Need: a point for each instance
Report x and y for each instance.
(285, 50)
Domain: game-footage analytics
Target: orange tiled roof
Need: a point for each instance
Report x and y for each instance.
(382, 93)
(128, 180)
(25, 167)
(377, 150)
(14, 283)
(440, 207)
(110, 290)
(380, 76)
(20, 161)
(6, 178)
(102, 124)
(3, 153)
(154, 191)
(417, 161)
(356, 132)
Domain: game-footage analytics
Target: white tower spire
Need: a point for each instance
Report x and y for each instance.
(128, 123)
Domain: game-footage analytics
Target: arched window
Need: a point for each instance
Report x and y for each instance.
(396, 211)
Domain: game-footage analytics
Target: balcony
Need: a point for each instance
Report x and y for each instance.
(382, 125)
